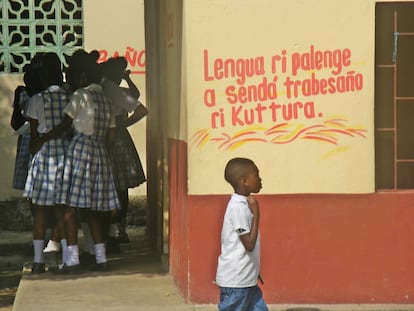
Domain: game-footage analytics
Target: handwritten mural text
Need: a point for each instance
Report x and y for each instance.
(261, 94)
(274, 99)
(135, 58)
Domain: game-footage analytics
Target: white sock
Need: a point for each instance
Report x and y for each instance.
(100, 253)
(38, 246)
(64, 245)
(73, 255)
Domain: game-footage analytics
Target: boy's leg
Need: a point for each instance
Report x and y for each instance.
(242, 299)
(233, 299)
(259, 303)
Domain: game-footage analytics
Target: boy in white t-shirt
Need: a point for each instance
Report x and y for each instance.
(239, 263)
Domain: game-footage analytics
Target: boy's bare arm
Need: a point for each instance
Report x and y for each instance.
(249, 239)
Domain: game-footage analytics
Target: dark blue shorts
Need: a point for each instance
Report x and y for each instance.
(241, 299)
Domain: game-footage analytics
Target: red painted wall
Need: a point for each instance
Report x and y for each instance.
(178, 215)
(315, 248)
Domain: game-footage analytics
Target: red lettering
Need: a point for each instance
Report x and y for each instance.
(318, 59)
(135, 58)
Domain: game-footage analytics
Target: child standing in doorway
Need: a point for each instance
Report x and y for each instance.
(45, 111)
(239, 262)
(126, 164)
(18, 123)
(88, 184)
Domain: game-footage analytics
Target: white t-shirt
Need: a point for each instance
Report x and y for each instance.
(82, 110)
(36, 109)
(236, 266)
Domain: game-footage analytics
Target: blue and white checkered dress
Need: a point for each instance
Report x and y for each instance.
(21, 165)
(45, 172)
(126, 164)
(87, 177)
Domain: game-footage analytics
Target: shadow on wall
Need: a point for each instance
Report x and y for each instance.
(8, 140)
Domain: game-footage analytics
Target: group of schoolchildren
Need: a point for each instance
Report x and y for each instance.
(75, 158)
(83, 161)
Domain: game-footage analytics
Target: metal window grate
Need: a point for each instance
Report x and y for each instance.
(31, 26)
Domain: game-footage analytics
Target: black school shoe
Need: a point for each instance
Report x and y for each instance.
(87, 259)
(52, 260)
(101, 267)
(112, 246)
(123, 237)
(64, 270)
(38, 268)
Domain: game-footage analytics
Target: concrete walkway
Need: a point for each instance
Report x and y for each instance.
(137, 281)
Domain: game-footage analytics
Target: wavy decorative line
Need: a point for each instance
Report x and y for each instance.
(275, 129)
(359, 132)
(336, 131)
(295, 135)
(337, 121)
(330, 132)
(236, 144)
(324, 139)
(200, 138)
(240, 134)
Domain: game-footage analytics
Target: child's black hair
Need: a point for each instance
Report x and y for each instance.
(33, 77)
(82, 64)
(52, 68)
(114, 68)
(235, 169)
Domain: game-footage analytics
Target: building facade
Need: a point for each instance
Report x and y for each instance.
(317, 92)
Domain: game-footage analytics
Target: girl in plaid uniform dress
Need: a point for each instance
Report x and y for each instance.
(126, 164)
(21, 99)
(87, 179)
(45, 111)
(47, 164)
(22, 94)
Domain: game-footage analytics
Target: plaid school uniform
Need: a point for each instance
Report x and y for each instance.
(21, 165)
(87, 178)
(126, 164)
(45, 172)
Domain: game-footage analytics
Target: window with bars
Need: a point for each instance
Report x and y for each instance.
(32, 26)
(394, 96)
